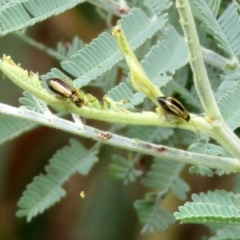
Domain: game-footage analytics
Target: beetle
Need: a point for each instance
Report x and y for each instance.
(174, 107)
(64, 89)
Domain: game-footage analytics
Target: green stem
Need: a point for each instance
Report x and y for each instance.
(41, 47)
(228, 139)
(139, 78)
(220, 131)
(201, 80)
(31, 83)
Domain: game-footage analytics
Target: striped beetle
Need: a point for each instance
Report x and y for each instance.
(174, 107)
(64, 89)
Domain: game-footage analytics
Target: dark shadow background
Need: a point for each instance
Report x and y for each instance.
(107, 212)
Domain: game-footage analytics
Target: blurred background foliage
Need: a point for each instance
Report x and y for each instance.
(107, 212)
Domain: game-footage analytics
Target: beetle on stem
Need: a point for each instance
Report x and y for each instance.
(64, 89)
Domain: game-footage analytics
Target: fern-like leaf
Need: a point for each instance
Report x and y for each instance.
(55, 73)
(202, 170)
(24, 79)
(225, 29)
(11, 128)
(68, 49)
(228, 99)
(106, 81)
(214, 207)
(102, 53)
(204, 147)
(225, 233)
(122, 93)
(185, 94)
(46, 190)
(167, 55)
(21, 14)
(28, 102)
(123, 169)
(150, 133)
(157, 7)
(164, 176)
(32, 103)
(153, 217)
(215, 6)
(213, 75)
(230, 24)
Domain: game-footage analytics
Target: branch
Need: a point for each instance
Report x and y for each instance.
(201, 80)
(221, 132)
(135, 145)
(30, 82)
(51, 52)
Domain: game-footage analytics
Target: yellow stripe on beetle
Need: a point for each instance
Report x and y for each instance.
(64, 89)
(173, 106)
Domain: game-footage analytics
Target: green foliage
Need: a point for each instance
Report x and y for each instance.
(202, 170)
(203, 146)
(214, 207)
(164, 176)
(122, 92)
(149, 133)
(228, 98)
(55, 73)
(107, 80)
(46, 190)
(21, 14)
(158, 7)
(102, 53)
(163, 53)
(123, 169)
(223, 29)
(213, 5)
(153, 217)
(173, 52)
(185, 94)
(231, 232)
(205, 171)
(172, 59)
(29, 102)
(11, 128)
(213, 74)
(68, 49)
(32, 103)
